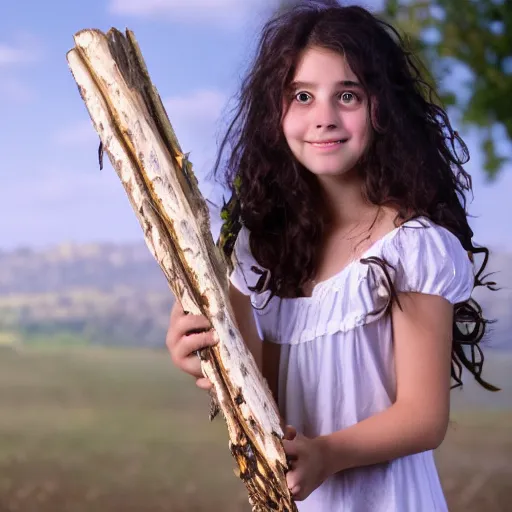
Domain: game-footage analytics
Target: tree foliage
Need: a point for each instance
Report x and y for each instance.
(470, 39)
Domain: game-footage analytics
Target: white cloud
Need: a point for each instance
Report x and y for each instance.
(224, 11)
(228, 12)
(26, 48)
(12, 55)
(197, 112)
(57, 205)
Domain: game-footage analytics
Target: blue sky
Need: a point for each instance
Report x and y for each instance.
(196, 52)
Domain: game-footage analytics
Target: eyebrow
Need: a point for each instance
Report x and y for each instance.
(310, 85)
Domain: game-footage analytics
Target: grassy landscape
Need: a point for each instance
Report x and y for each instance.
(100, 429)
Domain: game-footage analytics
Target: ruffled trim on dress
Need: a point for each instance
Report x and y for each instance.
(418, 256)
(330, 309)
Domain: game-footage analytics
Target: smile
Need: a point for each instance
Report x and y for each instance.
(328, 144)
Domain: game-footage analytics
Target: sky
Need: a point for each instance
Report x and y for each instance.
(197, 52)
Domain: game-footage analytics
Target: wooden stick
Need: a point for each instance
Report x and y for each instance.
(138, 138)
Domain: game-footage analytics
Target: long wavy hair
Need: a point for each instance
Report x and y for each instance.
(414, 162)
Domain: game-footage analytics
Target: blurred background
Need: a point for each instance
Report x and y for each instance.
(93, 417)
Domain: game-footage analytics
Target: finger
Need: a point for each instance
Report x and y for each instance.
(204, 383)
(189, 345)
(191, 324)
(293, 482)
(291, 449)
(295, 491)
(181, 323)
(290, 432)
(192, 366)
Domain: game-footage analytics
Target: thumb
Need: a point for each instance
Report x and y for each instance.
(291, 450)
(290, 432)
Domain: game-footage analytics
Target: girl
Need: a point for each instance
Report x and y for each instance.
(353, 259)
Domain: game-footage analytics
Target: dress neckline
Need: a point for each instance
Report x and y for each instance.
(389, 235)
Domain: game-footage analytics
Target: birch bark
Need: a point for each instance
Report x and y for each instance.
(135, 132)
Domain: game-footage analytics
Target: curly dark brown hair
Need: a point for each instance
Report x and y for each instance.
(414, 162)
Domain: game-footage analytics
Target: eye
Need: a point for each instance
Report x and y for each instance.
(348, 97)
(303, 97)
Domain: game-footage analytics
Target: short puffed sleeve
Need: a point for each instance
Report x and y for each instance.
(247, 273)
(429, 259)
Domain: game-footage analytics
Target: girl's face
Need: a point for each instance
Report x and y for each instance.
(326, 124)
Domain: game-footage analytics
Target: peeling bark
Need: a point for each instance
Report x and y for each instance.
(136, 134)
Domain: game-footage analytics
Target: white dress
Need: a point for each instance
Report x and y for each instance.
(337, 361)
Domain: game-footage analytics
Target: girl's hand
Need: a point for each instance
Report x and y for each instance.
(307, 463)
(187, 334)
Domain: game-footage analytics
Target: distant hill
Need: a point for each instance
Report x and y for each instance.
(104, 294)
(117, 295)
(66, 267)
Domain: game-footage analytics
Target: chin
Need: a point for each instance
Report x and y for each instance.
(328, 171)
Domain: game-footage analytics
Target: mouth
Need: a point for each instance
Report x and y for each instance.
(328, 143)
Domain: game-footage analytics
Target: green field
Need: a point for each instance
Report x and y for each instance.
(106, 430)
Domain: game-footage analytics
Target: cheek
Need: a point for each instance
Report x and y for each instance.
(285, 119)
(291, 125)
(360, 126)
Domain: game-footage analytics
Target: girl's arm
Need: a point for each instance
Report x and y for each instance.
(418, 419)
(265, 353)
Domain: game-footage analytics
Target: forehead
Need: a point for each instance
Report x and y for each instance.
(319, 65)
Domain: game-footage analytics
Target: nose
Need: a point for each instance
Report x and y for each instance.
(327, 115)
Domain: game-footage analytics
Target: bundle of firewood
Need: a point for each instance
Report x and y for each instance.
(136, 134)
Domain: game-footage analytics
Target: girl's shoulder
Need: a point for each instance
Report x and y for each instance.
(420, 255)
(428, 258)
(412, 237)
